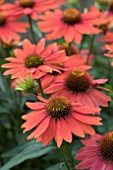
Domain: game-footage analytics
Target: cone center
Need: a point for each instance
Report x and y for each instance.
(71, 16)
(60, 65)
(27, 3)
(77, 81)
(2, 19)
(33, 61)
(106, 146)
(58, 107)
(69, 49)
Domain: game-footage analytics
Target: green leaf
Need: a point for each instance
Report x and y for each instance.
(58, 166)
(29, 150)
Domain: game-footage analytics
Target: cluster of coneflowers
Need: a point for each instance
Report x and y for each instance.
(68, 98)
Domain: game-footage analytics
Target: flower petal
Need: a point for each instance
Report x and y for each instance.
(48, 135)
(40, 46)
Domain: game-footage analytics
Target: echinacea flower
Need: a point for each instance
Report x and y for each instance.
(35, 7)
(34, 60)
(9, 26)
(58, 118)
(105, 15)
(70, 24)
(110, 52)
(78, 86)
(97, 154)
(74, 61)
(107, 38)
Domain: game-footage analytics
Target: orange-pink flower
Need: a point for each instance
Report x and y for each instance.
(105, 15)
(58, 118)
(97, 154)
(36, 60)
(107, 38)
(9, 26)
(35, 7)
(70, 24)
(5, 6)
(78, 86)
(74, 61)
(110, 52)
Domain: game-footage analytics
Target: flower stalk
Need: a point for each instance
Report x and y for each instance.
(90, 48)
(31, 28)
(34, 39)
(82, 43)
(40, 88)
(67, 156)
(68, 153)
(64, 157)
(69, 49)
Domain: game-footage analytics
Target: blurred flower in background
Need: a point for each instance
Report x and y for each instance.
(97, 153)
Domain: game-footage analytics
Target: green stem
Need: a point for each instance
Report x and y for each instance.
(82, 43)
(69, 49)
(2, 50)
(40, 87)
(64, 157)
(90, 48)
(31, 28)
(109, 69)
(68, 153)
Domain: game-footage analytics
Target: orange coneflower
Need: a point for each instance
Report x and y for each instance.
(97, 153)
(74, 61)
(79, 86)
(35, 7)
(70, 24)
(58, 118)
(9, 26)
(110, 52)
(36, 60)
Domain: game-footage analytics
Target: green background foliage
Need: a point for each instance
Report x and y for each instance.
(16, 153)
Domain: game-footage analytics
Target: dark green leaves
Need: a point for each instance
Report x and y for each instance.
(29, 150)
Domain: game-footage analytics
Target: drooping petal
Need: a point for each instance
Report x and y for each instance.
(74, 127)
(86, 128)
(33, 122)
(86, 163)
(48, 135)
(86, 109)
(65, 130)
(58, 136)
(91, 120)
(70, 33)
(40, 129)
